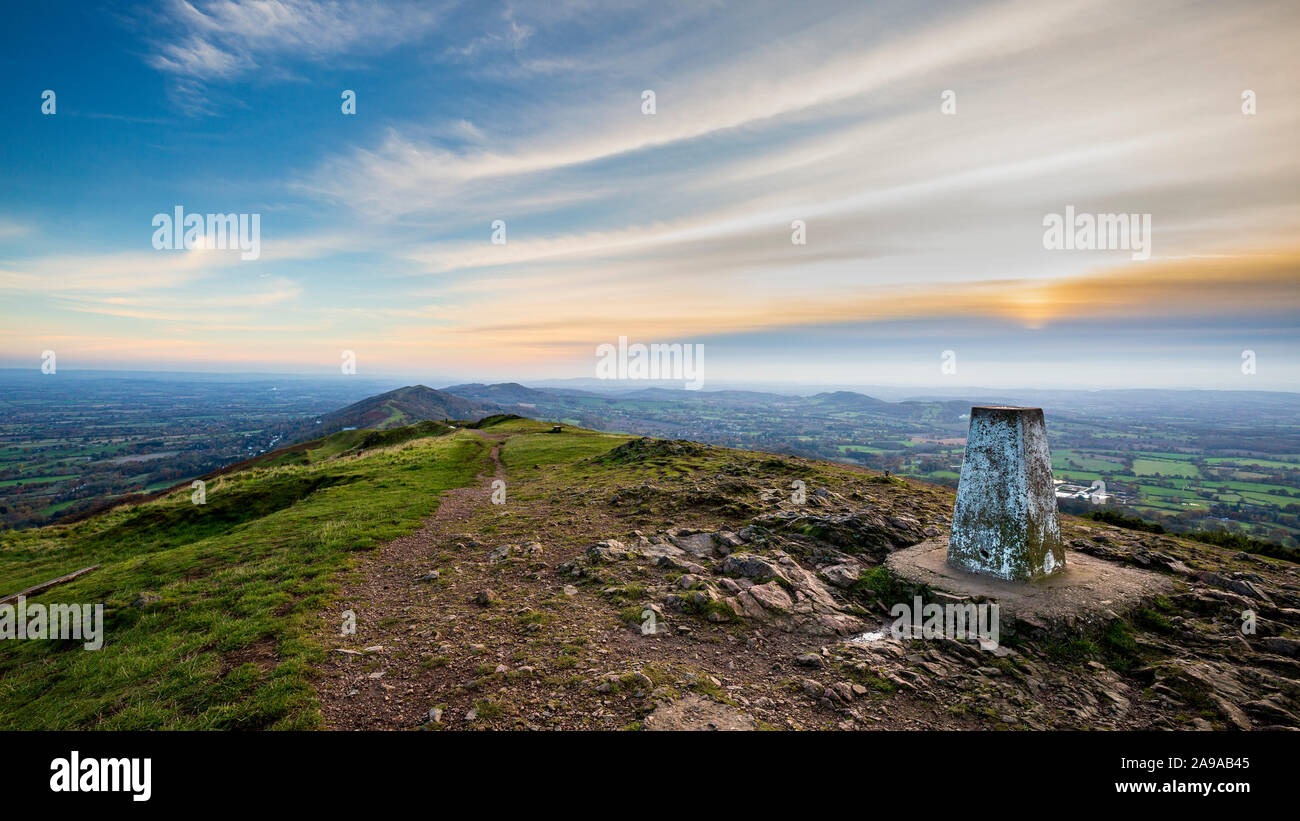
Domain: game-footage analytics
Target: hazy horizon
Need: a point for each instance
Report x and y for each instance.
(618, 386)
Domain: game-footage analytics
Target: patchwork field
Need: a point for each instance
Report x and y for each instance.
(72, 442)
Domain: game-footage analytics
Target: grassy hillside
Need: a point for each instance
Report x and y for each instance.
(207, 606)
(401, 407)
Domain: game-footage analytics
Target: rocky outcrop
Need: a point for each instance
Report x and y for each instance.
(862, 532)
(770, 588)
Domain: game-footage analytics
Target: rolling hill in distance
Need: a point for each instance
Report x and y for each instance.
(400, 407)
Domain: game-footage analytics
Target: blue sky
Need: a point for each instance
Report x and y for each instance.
(924, 229)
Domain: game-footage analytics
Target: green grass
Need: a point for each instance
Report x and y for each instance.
(1165, 467)
(943, 474)
(1257, 487)
(1078, 476)
(1151, 490)
(60, 506)
(242, 580)
(524, 451)
(338, 443)
(33, 480)
(1066, 459)
(1113, 646)
(1236, 461)
(880, 583)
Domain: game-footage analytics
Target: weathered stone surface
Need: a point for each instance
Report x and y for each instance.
(770, 597)
(697, 544)
(1242, 587)
(842, 575)
(749, 566)
(791, 598)
(608, 550)
(1282, 646)
(866, 532)
(691, 712)
(1004, 523)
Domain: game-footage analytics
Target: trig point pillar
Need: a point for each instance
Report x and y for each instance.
(1004, 523)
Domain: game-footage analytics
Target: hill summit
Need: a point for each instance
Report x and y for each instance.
(504, 393)
(404, 406)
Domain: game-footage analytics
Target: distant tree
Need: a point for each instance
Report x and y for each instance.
(1114, 517)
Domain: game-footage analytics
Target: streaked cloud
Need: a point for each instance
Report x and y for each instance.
(677, 226)
(1214, 287)
(223, 40)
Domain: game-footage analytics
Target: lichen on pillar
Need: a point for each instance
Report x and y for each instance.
(1004, 523)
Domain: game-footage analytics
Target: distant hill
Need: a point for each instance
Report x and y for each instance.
(849, 399)
(404, 406)
(840, 401)
(504, 393)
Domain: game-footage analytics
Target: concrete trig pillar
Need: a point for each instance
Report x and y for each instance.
(1004, 523)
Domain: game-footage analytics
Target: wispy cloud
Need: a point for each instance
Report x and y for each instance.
(222, 40)
(839, 125)
(12, 229)
(679, 223)
(511, 36)
(746, 87)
